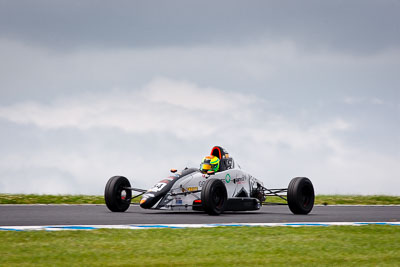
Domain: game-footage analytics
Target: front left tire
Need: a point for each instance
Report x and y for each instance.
(117, 198)
(300, 195)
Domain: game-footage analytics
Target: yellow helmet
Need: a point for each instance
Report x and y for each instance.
(209, 163)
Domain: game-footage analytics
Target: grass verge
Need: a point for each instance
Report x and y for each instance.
(349, 200)
(86, 199)
(245, 246)
(50, 199)
(357, 200)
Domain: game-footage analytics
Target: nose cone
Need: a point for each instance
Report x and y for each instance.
(149, 200)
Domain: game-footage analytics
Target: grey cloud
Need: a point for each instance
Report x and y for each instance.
(82, 140)
(357, 26)
(278, 71)
(311, 62)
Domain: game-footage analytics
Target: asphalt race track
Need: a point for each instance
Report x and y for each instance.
(38, 215)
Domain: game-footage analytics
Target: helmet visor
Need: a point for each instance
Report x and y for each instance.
(205, 166)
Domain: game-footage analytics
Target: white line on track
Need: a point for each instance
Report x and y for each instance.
(184, 226)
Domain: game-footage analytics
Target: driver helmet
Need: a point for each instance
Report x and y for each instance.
(209, 163)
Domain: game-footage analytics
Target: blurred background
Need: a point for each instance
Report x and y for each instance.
(92, 89)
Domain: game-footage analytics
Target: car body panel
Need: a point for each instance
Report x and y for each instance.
(187, 188)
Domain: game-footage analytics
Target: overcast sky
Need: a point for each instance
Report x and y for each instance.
(92, 89)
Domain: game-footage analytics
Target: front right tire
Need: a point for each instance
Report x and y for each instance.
(214, 196)
(117, 198)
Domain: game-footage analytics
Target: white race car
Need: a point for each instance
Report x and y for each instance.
(229, 189)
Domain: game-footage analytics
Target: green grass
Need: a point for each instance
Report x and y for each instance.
(86, 199)
(51, 199)
(349, 200)
(357, 200)
(224, 246)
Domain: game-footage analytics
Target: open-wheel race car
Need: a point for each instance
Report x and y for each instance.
(228, 189)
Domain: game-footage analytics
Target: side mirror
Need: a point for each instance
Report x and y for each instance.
(173, 170)
(211, 172)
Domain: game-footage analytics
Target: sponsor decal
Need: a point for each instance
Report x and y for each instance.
(239, 180)
(179, 201)
(194, 188)
(227, 178)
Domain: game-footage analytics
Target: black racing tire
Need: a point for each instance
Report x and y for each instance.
(214, 196)
(116, 197)
(300, 195)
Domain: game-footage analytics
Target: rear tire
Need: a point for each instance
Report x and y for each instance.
(300, 195)
(116, 197)
(214, 196)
